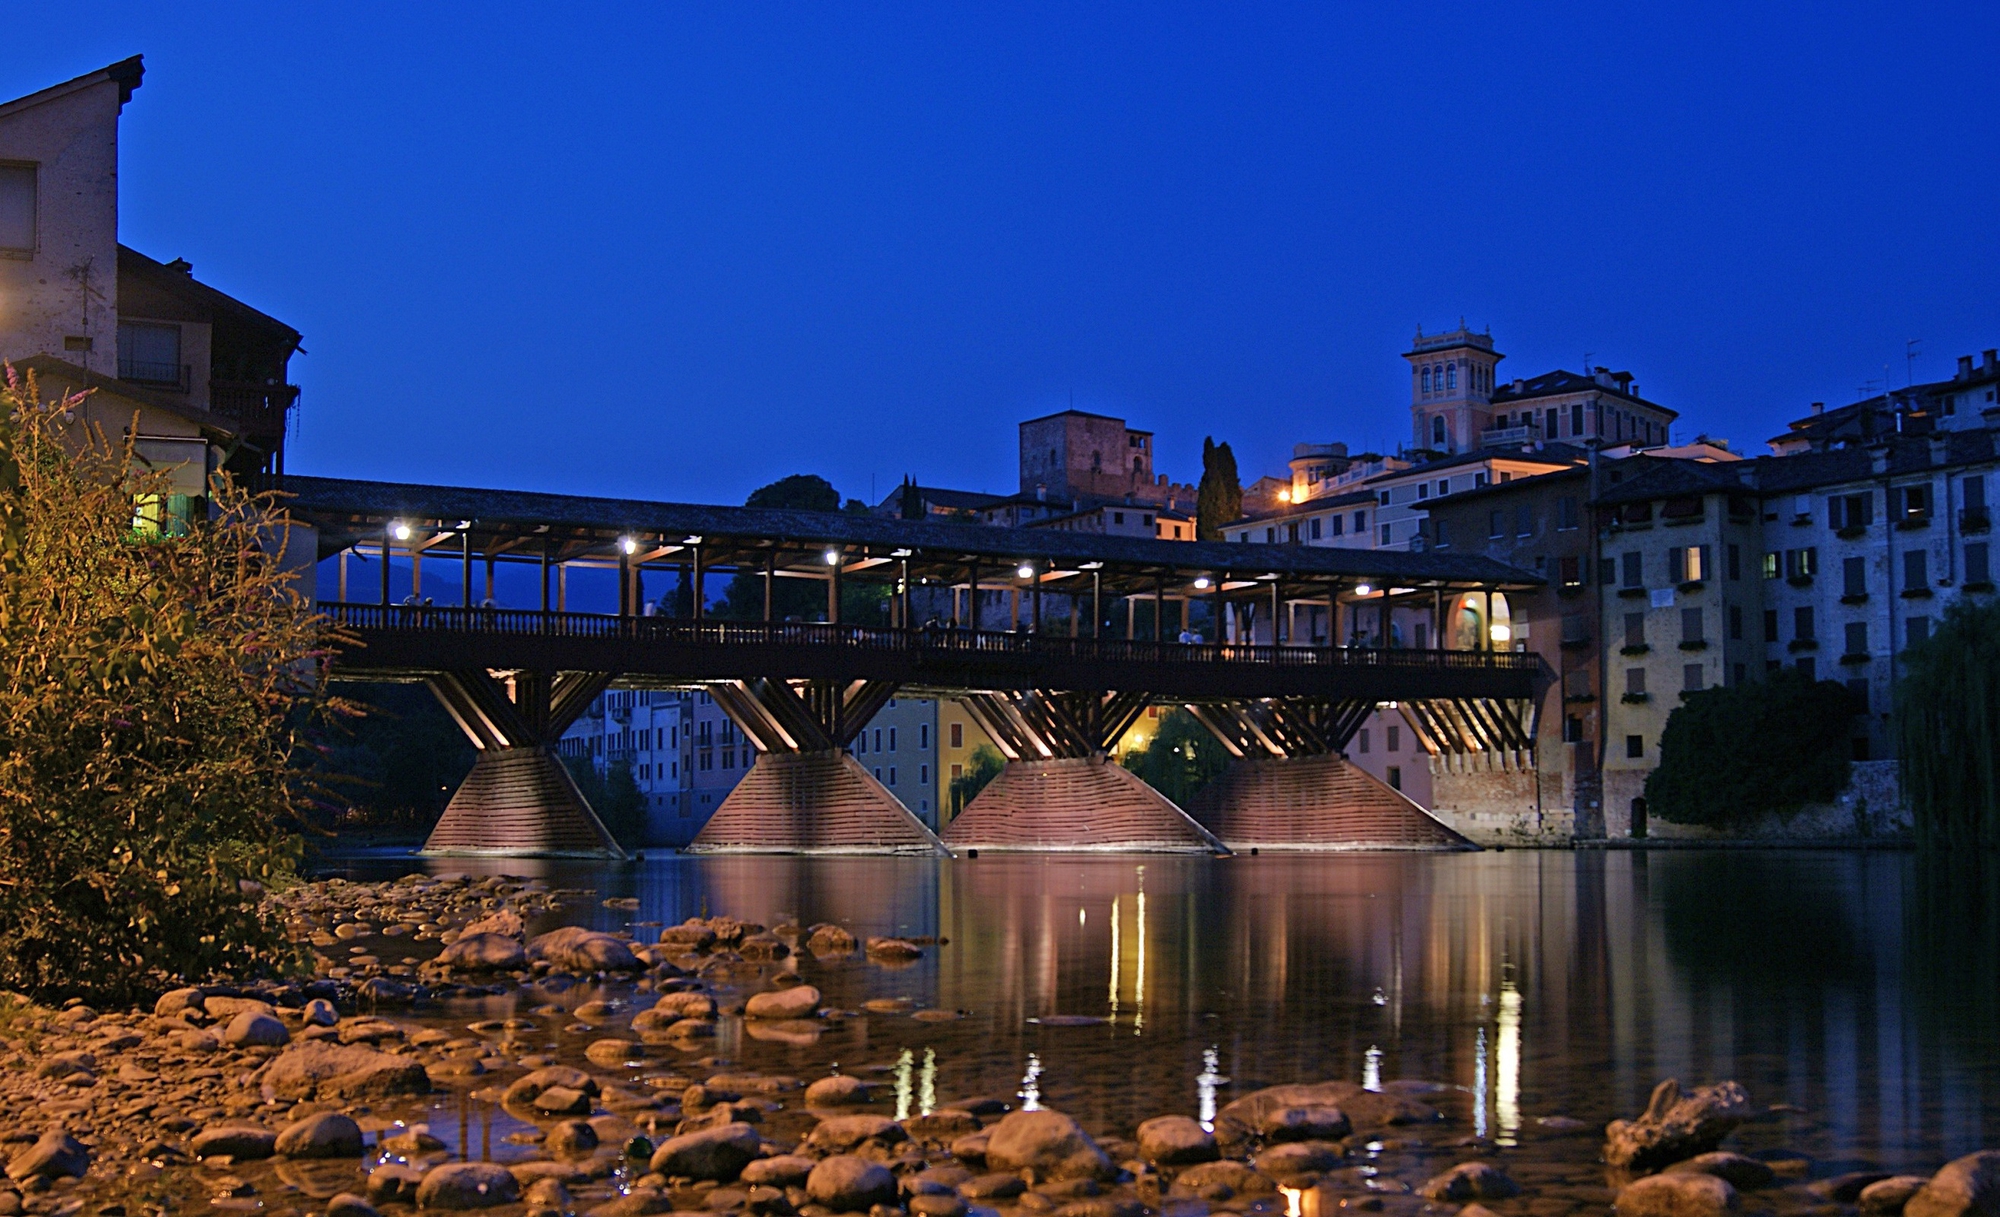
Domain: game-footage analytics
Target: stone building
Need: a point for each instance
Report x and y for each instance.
(1074, 456)
(1459, 403)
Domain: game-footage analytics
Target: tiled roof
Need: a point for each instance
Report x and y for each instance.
(1560, 383)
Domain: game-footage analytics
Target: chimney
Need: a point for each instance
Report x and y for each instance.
(1990, 361)
(1965, 367)
(1041, 492)
(1819, 407)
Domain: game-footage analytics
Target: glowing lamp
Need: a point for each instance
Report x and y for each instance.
(1026, 571)
(1362, 589)
(628, 546)
(1500, 633)
(832, 557)
(400, 531)
(1202, 582)
(1284, 496)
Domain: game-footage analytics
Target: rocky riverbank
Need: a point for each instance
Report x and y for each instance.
(594, 1058)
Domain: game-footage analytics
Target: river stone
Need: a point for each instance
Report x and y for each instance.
(1232, 1174)
(799, 1001)
(841, 1090)
(175, 1001)
(713, 1153)
(1887, 1197)
(893, 950)
(467, 1185)
(1318, 1122)
(570, 1139)
(320, 1012)
(317, 1069)
(253, 1029)
(943, 1126)
(1965, 1186)
(562, 1101)
(1047, 1142)
(847, 1184)
(840, 1134)
(1677, 1124)
(1679, 1194)
(1245, 1118)
(1745, 1174)
(483, 953)
(326, 1135)
(221, 1007)
(506, 922)
(932, 1204)
(784, 1170)
(243, 1142)
(527, 1088)
(1001, 1185)
(1470, 1181)
(392, 1184)
(1175, 1141)
(347, 1204)
(692, 935)
(1298, 1157)
(831, 940)
(575, 949)
(763, 948)
(54, 1153)
(609, 1052)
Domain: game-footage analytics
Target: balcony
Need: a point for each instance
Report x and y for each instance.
(1508, 437)
(258, 409)
(171, 376)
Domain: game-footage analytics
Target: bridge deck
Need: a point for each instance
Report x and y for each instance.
(406, 640)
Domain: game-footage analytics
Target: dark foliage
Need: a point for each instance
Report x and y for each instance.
(1182, 758)
(401, 760)
(1218, 499)
(1734, 752)
(614, 796)
(801, 599)
(981, 767)
(1948, 720)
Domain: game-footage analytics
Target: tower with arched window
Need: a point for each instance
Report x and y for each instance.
(1451, 388)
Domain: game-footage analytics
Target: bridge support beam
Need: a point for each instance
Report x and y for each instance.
(805, 794)
(1059, 791)
(519, 800)
(1291, 788)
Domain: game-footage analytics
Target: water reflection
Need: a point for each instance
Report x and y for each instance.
(1859, 987)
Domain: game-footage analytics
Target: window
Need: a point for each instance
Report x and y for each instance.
(1735, 562)
(1972, 492)
(1770, 625)
(1423, 490)
(1576, 419)
(1916, 502)
(1635, 629)
(923, 736)
(1555, 416)
(1424, 379)
(1363, 739)
(957, 772)
(1635, 745)
(1524, 521)
(1395, 777)
(1572, 730)
(1117, 517)
(1916, 571)
(958, 735)
(1437, 430)
(149, 352)
(17, 210)
(1772, 563)
(1451, 376)
(1385, 534)
(1635, 682)
(1315, 527)
(892, 775)
(1360, 522)
(1382, 499)
(1444, 487)
(1633, 571)
(1854, 577)
(1691, 678)
(1494, 528)
(1801, 563)
(1570, 571)
(1850, 511)
(1857, 638)
(892, 739)
(1802, 623)
(1691, 625)
(1443, 539)
(1688, 563)
(1566, 513)
(1917, 629)
(1977, 568)
(1736, 621)
(1392, 738)
(1339, 524)
(923, 775)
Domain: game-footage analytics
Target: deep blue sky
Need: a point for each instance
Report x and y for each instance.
(678, 253)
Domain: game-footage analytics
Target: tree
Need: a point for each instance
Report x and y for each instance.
(1735, 752)
(981, 767)
(1948, 722)
(1219, 497)
(1182, 757)
(401, 760)
(801, 599)
(615, 796)
(159, 683)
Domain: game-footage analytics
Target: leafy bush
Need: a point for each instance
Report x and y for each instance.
(1735, 752)
(154, 689)
(614, 796)
(1182, 757)
(1948, 719)
(981, 767)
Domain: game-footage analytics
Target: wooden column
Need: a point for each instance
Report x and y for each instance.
(465, 568)
(699, 608)
(385, 564)
(1035, 612)
(1097, 603)
(770, 578)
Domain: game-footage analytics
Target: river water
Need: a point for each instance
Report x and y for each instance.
(1861, 988)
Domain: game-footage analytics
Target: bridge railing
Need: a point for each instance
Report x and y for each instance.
(960, 642)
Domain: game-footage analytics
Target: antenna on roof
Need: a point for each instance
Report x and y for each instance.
(1587, 357)
(1911, 349)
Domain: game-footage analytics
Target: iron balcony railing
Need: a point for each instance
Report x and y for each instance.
(683, 632)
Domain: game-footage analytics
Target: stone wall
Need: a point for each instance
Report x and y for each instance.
(1871, 808)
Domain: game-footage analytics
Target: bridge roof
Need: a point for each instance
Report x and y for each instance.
(516, 524)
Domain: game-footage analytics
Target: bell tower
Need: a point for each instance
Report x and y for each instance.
(1451, 388)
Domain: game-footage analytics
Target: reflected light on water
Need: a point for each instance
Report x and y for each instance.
(927, 1083)
(1371, 1068)
(1507, 1064)
(1205, 1083)
(1139, 983)
(1294, 1200)
(903, 1066)
(1479, 1084)
(1117, 959)
(1030, 1093)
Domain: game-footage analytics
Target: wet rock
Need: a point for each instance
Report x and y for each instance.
(318, 1069)
(848, 1184)
(971, 1148)
(1745, 1174)
(839, 1090)
(242, 1142)
(413, 1142)
(549, 1193)
(893, 950)
(254, 1029)
(570, 1139)
(54, 1154)
(763, 948)
(325, 1135)
(562, 1101)
(799, 1001)
(1298, 1158)
(467, 1185)
(1469, 1181)
(347, 1204)
(1231, 1175)
(610, 1052)
(1316, 1122)
(1888, 1197)
(1244, 1119)
(484, 953)
(1175, 1141)
(1002, 1185)
(1047, 1142)
(1677, 1124)
(842, 1134)
(393, 1185)
(320, 1012)
(936, 1205)
(784, 1170)
(1965, 1186)
(178, 1001)
(831, 940)
(1102, 1206)
(692, 935)
(575, 949)
(499, 921)
(1845, 1188)
(526, 1089)
(942, 1127)
(713, 1153)
(1680, 1194)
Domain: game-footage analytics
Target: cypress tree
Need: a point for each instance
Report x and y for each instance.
(1948, 728)
(1219, 497)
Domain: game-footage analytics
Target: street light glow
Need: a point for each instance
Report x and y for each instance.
(1362, 589)
(628, 545)
(832, 557)
(400, 531)
(1026, 571)
(1202, 582)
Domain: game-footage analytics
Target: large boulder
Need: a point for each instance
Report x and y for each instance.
(1048, 1143)
(255, 1029)
(484, 953)
(1964, 1187)
(799, 1001)
(840, 1090)
(1293, 1111)
(672, 1008)
(1744, 1173)
(242, 1142)
(1677, 1124)
(54, 1153)
(575, 949)
(843, 1134)
(325, 1135)
(317, 1069)
(468, 1185)
(1470, 1181)
(828, 940)
(1888, 1197)
(1175, 1141)
(1677, 1194)
(847, 1184)
(529, 1087)
(713, 1153)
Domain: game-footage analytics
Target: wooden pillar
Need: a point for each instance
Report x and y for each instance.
(624, 582)
(385, 564)
(343, 575)
(1035, 612)
(972, 597)
(1277, 599)
(1332, 616)
(1437, 620)
(488, 598)
(833, 593)
(465, 568)
(1383, 643)
(905, 614)
(546, 545)
(417, 571)
(770, 578)
(1097, 603)
(1215, 601)
(698, 609)
(562, 587)
(1131, 617)
(1159, 608)
(1486, 634)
